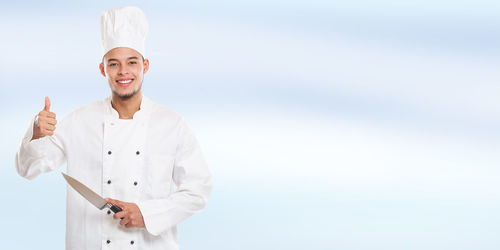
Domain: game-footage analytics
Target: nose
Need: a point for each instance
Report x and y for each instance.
(123, 70)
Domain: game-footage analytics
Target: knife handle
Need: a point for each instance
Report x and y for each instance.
(115, 209)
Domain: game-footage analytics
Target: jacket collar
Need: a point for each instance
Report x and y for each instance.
(141, 114)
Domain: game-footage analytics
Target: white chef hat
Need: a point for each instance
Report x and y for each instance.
(124, 27)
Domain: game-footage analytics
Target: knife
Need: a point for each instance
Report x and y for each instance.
(90, 195)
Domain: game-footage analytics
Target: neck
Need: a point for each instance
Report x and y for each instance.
(126, 108)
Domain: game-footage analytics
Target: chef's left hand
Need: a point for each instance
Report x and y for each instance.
(131, 214)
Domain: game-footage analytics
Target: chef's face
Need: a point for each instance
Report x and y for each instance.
(124, 68)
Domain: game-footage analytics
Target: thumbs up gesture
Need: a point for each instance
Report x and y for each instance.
(45, 123)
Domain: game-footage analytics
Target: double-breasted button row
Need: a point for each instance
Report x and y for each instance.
(131, 242)
(137, 152)
(135, 182)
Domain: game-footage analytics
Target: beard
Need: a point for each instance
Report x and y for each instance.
(126, 96)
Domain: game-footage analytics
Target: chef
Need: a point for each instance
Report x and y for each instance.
(140, 154)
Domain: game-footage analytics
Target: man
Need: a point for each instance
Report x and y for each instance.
(127, 147)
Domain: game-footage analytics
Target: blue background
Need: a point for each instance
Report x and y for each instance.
(327, 124)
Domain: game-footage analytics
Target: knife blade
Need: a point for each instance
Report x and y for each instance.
(90, 195)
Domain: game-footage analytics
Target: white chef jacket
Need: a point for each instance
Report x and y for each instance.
(153, 160)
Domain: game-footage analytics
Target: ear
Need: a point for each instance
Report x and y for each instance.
(146, 65)
(101, 67)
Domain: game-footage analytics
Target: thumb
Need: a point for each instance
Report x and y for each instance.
(47, 104)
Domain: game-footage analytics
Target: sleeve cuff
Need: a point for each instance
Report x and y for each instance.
(34, 147)
(150, 210)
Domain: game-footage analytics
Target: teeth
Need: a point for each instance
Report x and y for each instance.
(126, 81)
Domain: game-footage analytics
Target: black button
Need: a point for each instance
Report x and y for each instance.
(109, 152)
(108, 241)
(135, 183)
(109, 181)
(109, 211)
(137, 153)
(131, 242)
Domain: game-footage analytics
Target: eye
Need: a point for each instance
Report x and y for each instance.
(132, 62)
(113, 64)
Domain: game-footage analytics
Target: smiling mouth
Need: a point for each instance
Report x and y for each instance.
(124, 83)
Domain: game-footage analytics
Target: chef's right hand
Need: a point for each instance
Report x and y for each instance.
(45, 123)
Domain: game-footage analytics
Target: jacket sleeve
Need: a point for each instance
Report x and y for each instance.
(38, 156)
(194, 184)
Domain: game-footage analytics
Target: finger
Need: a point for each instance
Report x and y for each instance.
(112, 201)
(131, 223)
(48, 127)
(51, 115)
(47, 104)
(125, 221)
(42, 118)
(47, 114)
(43, 125)
(51, 121)
(48, 121)
(120, 215)
(121, 204)
(48, 132)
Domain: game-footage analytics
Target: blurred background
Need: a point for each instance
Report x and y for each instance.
(326, 124)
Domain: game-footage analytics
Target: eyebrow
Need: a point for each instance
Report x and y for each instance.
(130, 58)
